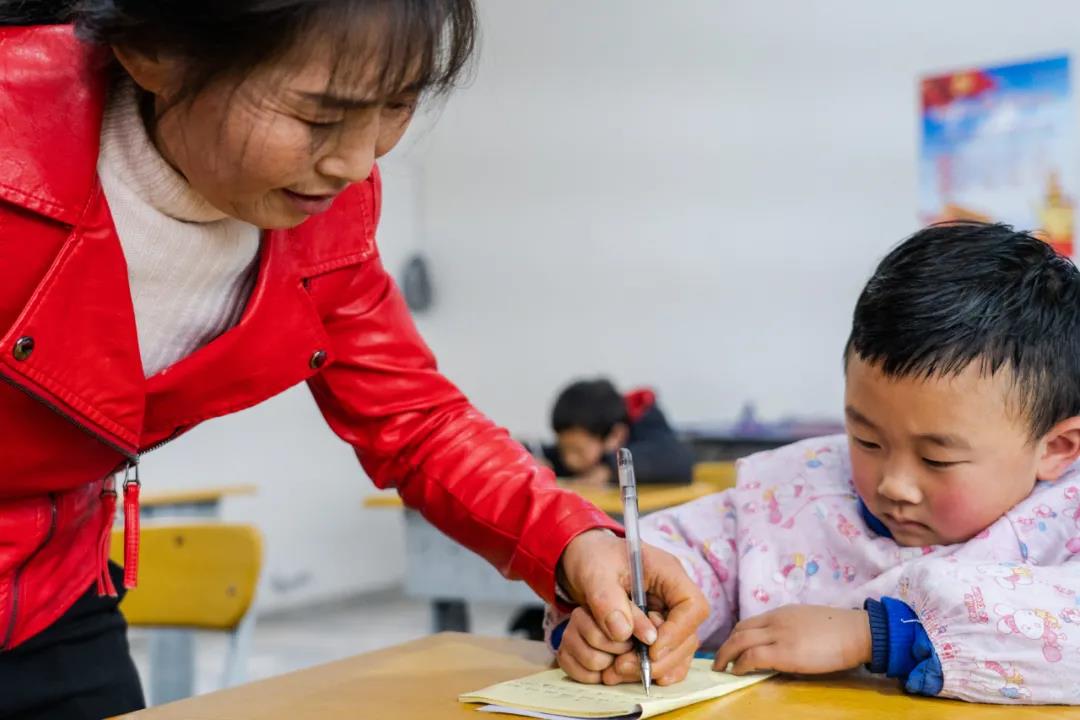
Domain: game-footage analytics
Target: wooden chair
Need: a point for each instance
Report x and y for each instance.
(719, 474)
(198, 576)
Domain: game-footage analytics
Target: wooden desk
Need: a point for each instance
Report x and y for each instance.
(422, 679)
(449, 576)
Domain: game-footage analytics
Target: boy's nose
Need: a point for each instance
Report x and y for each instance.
(900, 489)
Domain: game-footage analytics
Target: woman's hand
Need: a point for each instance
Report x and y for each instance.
(806, 639)
(595, 573)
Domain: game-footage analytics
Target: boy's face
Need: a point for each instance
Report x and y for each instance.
(937, 459)
(579, 449)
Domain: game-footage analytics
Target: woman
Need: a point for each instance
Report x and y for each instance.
(188, 202)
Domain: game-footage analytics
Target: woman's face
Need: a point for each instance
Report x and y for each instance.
(277, 146)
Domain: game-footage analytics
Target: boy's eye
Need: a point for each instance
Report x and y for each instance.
(867, 444)
(938, 463)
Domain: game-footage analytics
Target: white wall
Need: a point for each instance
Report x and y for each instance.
(687, 193)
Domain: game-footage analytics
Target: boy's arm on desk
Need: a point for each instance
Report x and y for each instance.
(1002, 632)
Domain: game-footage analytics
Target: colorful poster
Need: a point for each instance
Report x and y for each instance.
(997, 144)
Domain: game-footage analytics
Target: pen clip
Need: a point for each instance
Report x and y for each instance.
(624, 464)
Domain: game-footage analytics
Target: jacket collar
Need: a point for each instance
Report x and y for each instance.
(54, 85)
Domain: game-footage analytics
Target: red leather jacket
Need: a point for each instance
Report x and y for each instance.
(75, 405)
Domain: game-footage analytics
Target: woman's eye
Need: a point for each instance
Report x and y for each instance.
(401, 107)
(867, 444)
(322, 124)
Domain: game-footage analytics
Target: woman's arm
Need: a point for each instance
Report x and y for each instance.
(416, 432)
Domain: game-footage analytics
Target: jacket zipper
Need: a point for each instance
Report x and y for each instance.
(19, 572)
(131, 457)
(131, 513)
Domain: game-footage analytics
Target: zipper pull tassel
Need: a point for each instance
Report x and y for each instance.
(132, 485)
(108, 510)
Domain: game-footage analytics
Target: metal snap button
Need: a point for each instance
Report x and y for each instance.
(24, 346)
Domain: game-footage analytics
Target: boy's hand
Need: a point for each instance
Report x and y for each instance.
(595, 572)
(807, 639)
(587, 653)
(589, 656)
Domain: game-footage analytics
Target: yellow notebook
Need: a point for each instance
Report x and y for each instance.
(552, 695)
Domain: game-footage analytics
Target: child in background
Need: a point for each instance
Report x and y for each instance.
(938, 542)
(592, 420)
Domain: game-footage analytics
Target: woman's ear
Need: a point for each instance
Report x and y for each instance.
(1061, 448)
(153, 73)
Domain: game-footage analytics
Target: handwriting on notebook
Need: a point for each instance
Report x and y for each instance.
(553, 693)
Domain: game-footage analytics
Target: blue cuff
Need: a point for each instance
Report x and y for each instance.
(557, 633)
(879, 636)
(911, 656)
(902, 624)
(926, 678)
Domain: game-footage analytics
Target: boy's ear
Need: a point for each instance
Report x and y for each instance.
(617, 438)
(1061, 448)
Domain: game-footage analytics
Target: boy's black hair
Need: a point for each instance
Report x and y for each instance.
(594, 406)
(963, 292)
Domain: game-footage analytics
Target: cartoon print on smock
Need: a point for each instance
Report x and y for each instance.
(1034, 624)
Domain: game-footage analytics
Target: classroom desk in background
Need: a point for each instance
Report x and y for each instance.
(422, 680)
(449, 576)
(198, 502)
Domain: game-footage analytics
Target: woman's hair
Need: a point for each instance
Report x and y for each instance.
(412, 44)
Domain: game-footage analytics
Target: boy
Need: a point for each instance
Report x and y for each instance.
(592, 420)
(939, 540)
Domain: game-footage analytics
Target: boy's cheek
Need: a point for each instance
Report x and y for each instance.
(864, 477)
(959, 514)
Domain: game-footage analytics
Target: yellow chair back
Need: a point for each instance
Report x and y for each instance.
(192, 575)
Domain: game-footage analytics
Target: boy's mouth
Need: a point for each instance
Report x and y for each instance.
(904, 524)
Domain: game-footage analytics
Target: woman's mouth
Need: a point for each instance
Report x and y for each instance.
(309, 204)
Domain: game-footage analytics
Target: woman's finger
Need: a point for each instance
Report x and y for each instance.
(644, 629)
(674, 666)
(686, 606)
